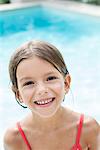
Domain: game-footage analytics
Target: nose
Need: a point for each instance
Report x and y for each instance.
(41, 88)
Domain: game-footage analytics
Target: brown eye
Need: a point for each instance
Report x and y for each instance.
(51, 78)
(28, 83)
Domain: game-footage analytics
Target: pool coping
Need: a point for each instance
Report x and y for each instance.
(80, 7)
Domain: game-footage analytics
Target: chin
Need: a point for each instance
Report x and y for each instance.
(46, 115)
(46, 112)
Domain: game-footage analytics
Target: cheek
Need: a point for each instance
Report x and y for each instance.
(26, 95)
(59, 87)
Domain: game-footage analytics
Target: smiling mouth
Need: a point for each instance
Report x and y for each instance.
(44, 102)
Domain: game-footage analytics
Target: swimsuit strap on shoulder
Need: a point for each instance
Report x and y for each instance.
(77, 145)
(80, 125)
(23, 136)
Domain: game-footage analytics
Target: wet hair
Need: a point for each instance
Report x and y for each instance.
(41, 49)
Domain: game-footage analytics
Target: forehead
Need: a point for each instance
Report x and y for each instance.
(36, 66)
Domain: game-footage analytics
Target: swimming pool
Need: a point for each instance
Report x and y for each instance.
(78, 38)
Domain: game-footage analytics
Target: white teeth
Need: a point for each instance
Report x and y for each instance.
(42, 102)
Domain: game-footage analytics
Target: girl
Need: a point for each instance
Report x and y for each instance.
(40, 81)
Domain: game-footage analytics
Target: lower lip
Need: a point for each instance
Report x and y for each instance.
(45, 105)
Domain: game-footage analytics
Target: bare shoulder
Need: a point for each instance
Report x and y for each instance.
(12, 138)
(91, 125)
(92, 132)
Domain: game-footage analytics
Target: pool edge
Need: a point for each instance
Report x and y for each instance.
(65, 5)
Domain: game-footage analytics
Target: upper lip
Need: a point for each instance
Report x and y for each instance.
(43, 99)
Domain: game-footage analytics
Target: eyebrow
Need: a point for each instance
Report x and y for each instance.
(50, 73)
(25, 78)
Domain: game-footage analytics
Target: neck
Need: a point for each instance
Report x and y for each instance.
(50, 123)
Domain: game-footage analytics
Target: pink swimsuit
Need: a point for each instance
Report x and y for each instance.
(77, 145)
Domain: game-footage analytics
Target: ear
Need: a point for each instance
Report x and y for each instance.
(67, 83)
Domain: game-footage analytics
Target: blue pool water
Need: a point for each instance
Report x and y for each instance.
(78, 38)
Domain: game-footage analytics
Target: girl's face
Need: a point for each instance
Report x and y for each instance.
(41, 86)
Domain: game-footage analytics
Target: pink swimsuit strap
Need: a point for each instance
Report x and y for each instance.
(23, 136)
(77, 145)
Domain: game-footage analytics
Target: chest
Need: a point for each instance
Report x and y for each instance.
(59, 140)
